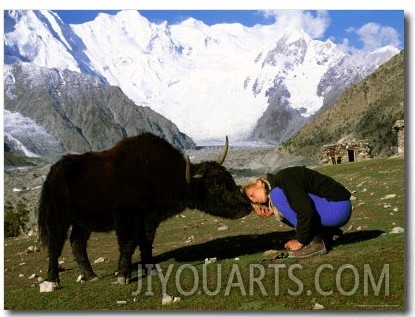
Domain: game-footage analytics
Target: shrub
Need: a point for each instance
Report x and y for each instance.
(15, 220)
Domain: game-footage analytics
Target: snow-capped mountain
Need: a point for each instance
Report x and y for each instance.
(257, 82)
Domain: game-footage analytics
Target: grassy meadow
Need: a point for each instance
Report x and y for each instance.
(365, 270)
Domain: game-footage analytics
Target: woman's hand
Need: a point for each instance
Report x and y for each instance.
(263, 211)
(293, 245)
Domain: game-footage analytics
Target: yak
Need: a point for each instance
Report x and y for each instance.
(130, 188)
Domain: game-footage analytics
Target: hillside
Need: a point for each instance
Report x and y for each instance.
(366, 110)
(365, 270)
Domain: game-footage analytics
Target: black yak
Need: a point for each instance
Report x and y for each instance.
(130, 188)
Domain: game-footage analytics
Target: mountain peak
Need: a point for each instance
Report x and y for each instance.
(193, 23)
(208, 80)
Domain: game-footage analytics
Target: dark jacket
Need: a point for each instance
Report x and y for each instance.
(296, 182)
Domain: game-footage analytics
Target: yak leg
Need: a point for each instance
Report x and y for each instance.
(124, 263)
(145, 238)
(127, 245)
(78, 239)
(129, 234)
(55, 247)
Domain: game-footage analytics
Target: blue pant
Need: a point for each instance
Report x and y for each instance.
(332, 213)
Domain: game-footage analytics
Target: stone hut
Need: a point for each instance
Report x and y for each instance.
(350, 151)
(399, 128)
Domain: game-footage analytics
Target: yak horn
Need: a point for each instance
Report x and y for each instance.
(188, 173)
(222, 157)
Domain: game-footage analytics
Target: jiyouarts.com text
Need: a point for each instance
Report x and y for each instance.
(269, 279)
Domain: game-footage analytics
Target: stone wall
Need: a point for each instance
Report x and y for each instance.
(351, 151)
(398, 127)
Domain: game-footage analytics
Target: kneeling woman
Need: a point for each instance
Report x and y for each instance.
(311, 202)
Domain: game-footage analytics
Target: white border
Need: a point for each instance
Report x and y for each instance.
(406, 5)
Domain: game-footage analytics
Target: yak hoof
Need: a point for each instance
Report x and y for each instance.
(122, 280)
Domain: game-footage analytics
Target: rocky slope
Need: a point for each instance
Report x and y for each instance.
(366, 110)
(49, 112)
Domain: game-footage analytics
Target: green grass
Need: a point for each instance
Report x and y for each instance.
(364, 271)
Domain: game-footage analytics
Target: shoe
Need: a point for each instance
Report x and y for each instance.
(315, 247)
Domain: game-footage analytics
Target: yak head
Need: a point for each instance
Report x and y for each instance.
(214, 190)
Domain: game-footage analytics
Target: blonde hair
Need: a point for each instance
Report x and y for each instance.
(251, 183)
(248, 184)
(245, 186)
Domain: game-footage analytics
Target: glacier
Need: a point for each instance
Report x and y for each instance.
(27, 136)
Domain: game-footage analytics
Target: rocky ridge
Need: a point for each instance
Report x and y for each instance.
(61, 111)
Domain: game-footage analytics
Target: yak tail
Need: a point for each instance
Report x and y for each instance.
(52, 214)
(43, 215)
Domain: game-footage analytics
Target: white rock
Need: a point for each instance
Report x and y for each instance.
(79, 278)
(32, 276)
(47, 287)
(100, 260)
(190, 239)
(167, 299)
(361, 184)
(210, 260)
(121, 302)
(317, 306)
(223, 228)
(397, 230)
(32, 249)
(389, 196)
